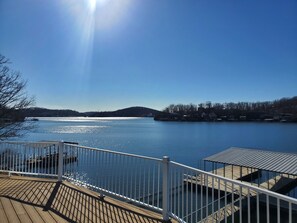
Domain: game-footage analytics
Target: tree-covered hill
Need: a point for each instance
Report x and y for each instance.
(127, 112)
(282, 110)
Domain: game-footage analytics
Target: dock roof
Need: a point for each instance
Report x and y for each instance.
(259, 159)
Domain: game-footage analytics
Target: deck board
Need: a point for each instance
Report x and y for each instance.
(2, 213)
(25, 199)
(9, 210)
(21, 212)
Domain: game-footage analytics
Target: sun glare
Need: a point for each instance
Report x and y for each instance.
(92, 5)
(102, 2)
(93, 16)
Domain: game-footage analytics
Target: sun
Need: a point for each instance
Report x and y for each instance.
(92, 5)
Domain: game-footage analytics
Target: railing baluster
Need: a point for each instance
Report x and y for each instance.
(249, 206)
(258, 208)
(60, 161)
(196, 192)
(187, 199)
(219, 199)
(232, 205)
(225, 212)
(201, 194)
(290, 212)
(115, 174)
(267, 209)
(240, 204)
(131, 179)
(278, 210)
(212, 198)
(136, 176)
(165, 199)
(180, 195)
(206, 195)
(148, 185)
(159, 174)
(172, 186)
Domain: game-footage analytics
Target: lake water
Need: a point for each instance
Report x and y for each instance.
(185, 142)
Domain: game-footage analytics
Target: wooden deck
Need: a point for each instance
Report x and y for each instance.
(24, 199)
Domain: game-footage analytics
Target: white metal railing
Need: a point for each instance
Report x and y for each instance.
(137, 179)
(29, 158)
(175, 190)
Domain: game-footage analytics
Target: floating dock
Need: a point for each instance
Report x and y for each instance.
(49, 160)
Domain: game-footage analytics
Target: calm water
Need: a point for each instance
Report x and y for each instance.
(183, 142)
(186, 143)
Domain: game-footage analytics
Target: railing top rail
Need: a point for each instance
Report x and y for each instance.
(258, 189)
(114, 152)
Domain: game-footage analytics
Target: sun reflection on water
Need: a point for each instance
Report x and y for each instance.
(77, 129)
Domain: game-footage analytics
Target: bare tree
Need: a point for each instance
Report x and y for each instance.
(13, 100)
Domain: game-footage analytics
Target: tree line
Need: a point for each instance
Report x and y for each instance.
(284, 110)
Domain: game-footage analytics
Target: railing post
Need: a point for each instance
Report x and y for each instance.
(60, 160)
(165, 197)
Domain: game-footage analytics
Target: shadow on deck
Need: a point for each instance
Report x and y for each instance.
(24, 199)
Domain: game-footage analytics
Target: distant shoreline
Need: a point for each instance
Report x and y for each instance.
(75, 118)
(184, 118)
(283, 110)
(224, 121)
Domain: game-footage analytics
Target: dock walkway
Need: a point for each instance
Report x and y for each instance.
(24, 199)
(278, 183)
(234, 172)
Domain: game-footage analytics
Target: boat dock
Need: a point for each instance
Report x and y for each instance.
(280, 167)
(246, 165)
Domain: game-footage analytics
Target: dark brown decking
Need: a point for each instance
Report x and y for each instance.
(24, 199)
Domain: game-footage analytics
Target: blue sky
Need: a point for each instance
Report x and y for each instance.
(110, 54)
